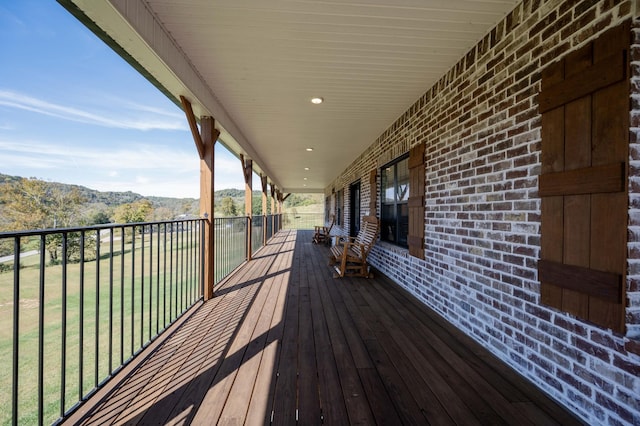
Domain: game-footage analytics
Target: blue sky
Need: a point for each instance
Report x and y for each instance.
(73, 111)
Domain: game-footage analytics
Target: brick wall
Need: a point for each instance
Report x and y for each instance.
(481, 127)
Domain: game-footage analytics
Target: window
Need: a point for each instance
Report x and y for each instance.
(327, 209)
(394, 201)
(339, 207)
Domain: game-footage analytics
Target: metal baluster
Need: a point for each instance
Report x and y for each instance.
(150, 280)
(63, 360)
(122, 240)
(110, 300)
(133, 286)
(81, 322)
(171, 274)
(141, 286)
(41, 332)
(97, 339)
(164, 279)
(16, 329)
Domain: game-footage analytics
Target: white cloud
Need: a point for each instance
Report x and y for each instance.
(127, 116)
(138, 167)
(167, 187)
(228, 164)
(226, 182)
(142, 180)
(135, 157)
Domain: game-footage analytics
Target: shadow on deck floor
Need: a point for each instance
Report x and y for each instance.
(283, 342)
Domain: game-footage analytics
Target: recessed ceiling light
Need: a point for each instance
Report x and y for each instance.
(305, 178)
(309, 149)
(317, 100)
(306, 168)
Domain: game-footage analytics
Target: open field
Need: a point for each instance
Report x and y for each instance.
(105, 313)
(139, 291)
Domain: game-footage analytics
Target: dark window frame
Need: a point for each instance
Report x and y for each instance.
(393, 227)
(339, 207)
(327, 209)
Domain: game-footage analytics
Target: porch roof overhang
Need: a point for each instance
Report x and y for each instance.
(254, 66)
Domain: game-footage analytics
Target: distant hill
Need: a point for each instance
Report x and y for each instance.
(102, 204)
(167, 207)
(110, 199)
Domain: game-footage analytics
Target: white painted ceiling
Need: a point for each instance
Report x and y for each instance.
(254, 65)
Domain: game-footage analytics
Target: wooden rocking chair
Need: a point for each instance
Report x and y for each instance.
(321, 234)
(349, 257)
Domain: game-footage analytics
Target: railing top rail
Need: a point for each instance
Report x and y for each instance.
(47, 231)
(32, 232)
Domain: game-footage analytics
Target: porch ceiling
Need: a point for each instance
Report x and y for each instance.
(254, 65)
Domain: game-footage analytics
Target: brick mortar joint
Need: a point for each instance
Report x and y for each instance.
(432, 136)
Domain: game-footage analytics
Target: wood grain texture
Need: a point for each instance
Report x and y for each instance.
(415, 237)
(283, 339)
(590, 282)
(588, 180)
(607, 71)
(583, 181)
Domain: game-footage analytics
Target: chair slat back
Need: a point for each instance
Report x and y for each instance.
(332, 221)
(367, 235)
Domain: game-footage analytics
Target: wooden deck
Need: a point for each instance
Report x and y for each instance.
(285, 342)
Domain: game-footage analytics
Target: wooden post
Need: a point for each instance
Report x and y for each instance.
(273, 208)
(205, 144)
(247, 171)
(263, 180)
(280, 200)
(209, 136)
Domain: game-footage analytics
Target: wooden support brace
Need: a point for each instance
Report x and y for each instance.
(193, 125)
(247, 169)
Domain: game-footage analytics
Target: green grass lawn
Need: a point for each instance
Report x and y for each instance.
(117, 314)
(118, 309)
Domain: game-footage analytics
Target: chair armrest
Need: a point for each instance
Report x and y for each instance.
(340, 239)
(344, 239)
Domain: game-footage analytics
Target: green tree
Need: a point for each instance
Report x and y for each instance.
(35, 204)
(25, 205)
(228, 207)
(138, 211)
(163, 214)
(99, 218)
(256, 204)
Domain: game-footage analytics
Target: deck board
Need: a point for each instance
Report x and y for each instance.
(285, 342)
